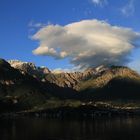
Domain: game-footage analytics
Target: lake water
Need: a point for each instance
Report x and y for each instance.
(125, 128)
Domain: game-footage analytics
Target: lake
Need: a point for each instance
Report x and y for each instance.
(119, 128)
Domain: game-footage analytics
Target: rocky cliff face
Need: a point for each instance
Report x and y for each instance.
(30, 68)
(62, 79)
(108, 75)
(73, 79)
(90, 78)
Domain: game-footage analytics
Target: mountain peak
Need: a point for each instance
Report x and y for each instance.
(30, 68)
(19, 64)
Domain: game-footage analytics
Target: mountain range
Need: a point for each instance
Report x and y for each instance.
(25, 86)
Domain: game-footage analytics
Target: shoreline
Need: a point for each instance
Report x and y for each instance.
(70, 112)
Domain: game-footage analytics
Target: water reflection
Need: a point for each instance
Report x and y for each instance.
(56, 129)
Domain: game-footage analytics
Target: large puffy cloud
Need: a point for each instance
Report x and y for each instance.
(87, 43)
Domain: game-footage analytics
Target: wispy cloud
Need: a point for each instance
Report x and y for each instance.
(128, 9)
(87, 43)
(33, 24)
(99, 2)
(60, 70)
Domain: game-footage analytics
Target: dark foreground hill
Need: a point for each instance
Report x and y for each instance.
(23, 86)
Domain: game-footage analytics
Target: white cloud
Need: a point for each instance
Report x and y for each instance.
(43, 50)
(60, 70)
(67, 70)
(99, 2)
(87, 43)
(128, 9)
(33, 24)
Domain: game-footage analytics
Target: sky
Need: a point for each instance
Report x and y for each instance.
(71, 34)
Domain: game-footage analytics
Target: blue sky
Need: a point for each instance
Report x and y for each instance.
(19, 20)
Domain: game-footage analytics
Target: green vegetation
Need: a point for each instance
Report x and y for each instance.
(56, 103)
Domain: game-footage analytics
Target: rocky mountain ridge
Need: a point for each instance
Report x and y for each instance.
(63, 79)
(91, 77)
(30, 68)
(111, 73)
